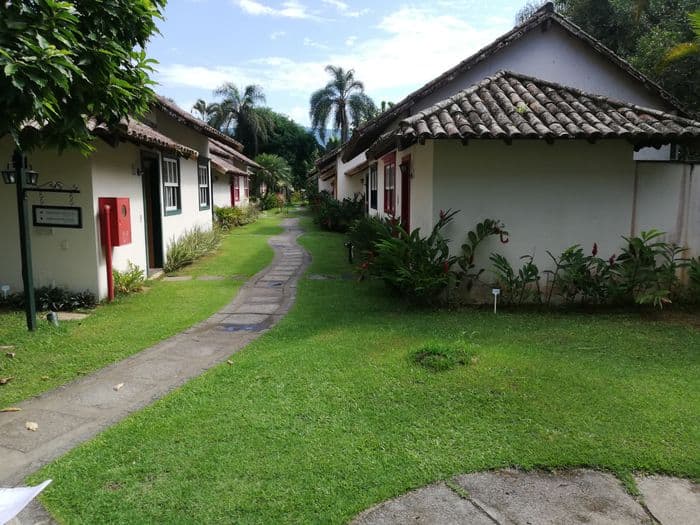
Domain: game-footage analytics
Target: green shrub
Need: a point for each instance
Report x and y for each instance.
(334, 215)
(517, 288)
(191, 246)
(269, 201)
(129, 281)
(580, 277)
(54, 299)
(475, 237)
(416, 267)
(232, 217)
(366, 232)
(439, 358)
(646, 272)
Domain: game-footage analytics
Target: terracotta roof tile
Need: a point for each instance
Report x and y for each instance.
(224, 166)
(140, 133)
(367, 134)
(224, 151)
(513, 106)
(193, 122)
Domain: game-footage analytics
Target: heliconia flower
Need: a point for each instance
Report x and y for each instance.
(442, 215)
(364, 265)
(595, 249)
(504, 237)
(446, 266)
(612, 259)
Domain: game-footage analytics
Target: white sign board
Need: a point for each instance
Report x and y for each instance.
(58, 216)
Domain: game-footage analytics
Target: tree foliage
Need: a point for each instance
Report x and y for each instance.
(342, 102)
(644, 32)
(66, 61)
(276, 173)
(238, 113)
(292, 142)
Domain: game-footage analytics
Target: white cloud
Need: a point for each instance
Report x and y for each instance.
(350, 41)
(316, 45)
(344, 9)
(289, 9)
(404, 54)
(277, 34)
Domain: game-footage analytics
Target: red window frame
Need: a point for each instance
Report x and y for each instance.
(390, 183)
(236, 190)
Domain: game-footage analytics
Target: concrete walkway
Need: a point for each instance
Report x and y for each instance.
(516, 497)
(78, 411)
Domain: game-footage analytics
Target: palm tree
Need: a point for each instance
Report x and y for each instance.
(276, 173)
(343, 101)
(241, 108)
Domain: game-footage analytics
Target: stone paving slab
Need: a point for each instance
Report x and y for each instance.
(432, 505)
(76, 412)
(177, 278)
(515, 497)
(670, 500)
(577, 496)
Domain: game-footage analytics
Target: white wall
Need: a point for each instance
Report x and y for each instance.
(221, 187)
(550, 197)
(556, 56)
(348, 187)
(668, 199)
(62, 257)
(190, 216)
(113, 176)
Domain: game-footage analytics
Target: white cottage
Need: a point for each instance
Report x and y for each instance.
(545, 129)
(161, 165)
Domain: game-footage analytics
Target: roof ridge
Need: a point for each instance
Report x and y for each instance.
(195, 123)
(546, 12)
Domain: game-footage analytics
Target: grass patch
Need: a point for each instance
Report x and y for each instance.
(325, 416)
(54, 356)
(440, 358)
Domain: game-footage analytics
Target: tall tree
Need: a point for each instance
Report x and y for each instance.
(243, 109)
(64, 62)
(342, 101)
(292, 142)
(202, 110)
(643, 32)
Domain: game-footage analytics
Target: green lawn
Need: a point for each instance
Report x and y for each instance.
(326, 414)
(54, 356)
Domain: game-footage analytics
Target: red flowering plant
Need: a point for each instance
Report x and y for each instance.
(578, 277)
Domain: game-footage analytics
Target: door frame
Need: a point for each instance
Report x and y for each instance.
(152, 210)
(405, 169)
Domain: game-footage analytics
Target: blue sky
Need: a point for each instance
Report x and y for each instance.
(284, 46)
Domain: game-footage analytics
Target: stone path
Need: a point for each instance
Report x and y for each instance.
(516, 497)
(78, 411)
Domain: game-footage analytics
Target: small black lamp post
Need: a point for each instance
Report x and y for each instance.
(351, 251)
(22, 177)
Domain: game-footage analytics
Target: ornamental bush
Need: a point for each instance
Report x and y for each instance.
(53, 298)
(334, 215)
(191, 246)
(228, 217)
(129, 281)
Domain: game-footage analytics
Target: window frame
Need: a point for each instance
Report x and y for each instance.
(246, 187)
(389, 162)
(167, 184)
(373, 187)
(236, 190)
(204, 163)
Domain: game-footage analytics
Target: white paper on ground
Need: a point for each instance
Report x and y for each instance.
(12, 501)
